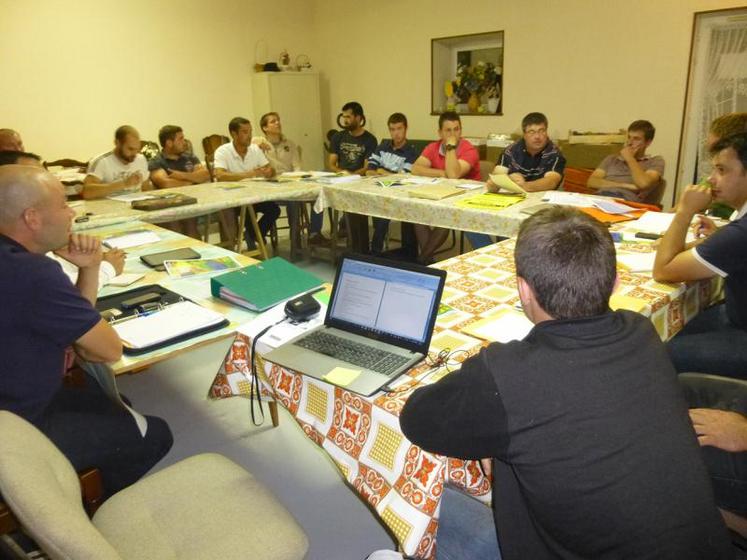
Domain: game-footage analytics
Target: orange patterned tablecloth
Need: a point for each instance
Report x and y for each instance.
(400, 481)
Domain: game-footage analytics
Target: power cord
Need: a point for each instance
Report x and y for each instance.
(434, 361)
(254, 392)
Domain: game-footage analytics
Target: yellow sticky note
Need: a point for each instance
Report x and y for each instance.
(627, 302)
(342, 376)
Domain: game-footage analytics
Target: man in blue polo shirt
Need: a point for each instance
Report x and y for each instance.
(716, 340)
(395, 155)
(44, 315)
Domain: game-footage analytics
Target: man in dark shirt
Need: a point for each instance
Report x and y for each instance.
(175, 167)
(593, 452)
(353, 145)
(534, 162)
(716, 340)
(43, 315)
(395, 155)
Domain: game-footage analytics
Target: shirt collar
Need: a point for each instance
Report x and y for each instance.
(12, 242)
(739, 213)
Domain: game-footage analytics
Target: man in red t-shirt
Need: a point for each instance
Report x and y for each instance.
(451, 157)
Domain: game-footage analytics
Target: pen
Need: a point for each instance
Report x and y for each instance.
(135, 316)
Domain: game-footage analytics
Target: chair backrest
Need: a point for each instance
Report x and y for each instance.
(486, 168)
(42, 489)
(575, 178)
(209, 145)
(66, 162)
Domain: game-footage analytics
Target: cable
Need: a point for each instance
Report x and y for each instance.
(444, 358)
(255, 376)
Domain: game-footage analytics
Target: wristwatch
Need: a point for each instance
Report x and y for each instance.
(449, 147)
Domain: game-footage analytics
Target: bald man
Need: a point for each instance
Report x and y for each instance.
(43, 315)
(122, 169)
(10, 140)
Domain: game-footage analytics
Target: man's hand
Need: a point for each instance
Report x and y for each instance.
(84, 251)
(704, 227)
(517, 178)
(487, 467)
(719, 428)
(695, 199)
(264, 171)
(133, 180)
(115, 257)
(627, 153)
(451, 141)
(262, 142)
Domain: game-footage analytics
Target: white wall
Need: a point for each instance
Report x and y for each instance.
(586, 64)
(73, 71)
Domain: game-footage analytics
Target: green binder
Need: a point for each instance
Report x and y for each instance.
(262, 285)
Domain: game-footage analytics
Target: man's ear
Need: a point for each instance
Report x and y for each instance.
(32, 218)
(617, 283)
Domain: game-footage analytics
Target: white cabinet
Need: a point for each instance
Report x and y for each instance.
(295, 97)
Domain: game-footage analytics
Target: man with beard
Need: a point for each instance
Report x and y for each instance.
(351, 147)
(122, 169)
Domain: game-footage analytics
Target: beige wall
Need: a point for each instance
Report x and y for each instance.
(587, 64)
(73, 71)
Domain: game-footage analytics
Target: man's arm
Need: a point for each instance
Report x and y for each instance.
(99, 344)
(460, 416)
(597, 181)
(674, 261)
(162, 180)
(198, 175)
(422, 166)
(549, 182)
(263, 171)
(332, 163)
(93, 187)
(84, 251)
(642, 179)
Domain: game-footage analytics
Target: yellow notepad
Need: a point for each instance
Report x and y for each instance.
(490, 201)
(435, 192)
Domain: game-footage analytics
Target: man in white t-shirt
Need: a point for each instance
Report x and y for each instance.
(122, 169)
(240, 159)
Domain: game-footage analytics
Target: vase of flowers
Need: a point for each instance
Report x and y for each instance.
(473, 82)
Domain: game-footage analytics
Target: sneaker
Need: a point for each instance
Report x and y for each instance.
(318, 240)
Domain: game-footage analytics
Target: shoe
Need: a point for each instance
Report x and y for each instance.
(318, 240)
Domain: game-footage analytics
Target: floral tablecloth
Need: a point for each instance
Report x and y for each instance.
(400, 481)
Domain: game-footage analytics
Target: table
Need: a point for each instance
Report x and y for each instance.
(211, 197)
(401, 482)
(196, 288)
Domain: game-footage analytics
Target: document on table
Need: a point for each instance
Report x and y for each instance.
(174, 320)
(132, 239)
(568, 199)
(504, 326)
(506, 183)
(131, 197)
(636, 262)
(653, 222)
(339, 179)
(413, 180)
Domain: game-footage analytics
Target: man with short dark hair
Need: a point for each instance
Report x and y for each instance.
(716, 340)
(353, 145)
(593, 454)
(10, 157)
(534, 162)
(43, 315)
(393, 155)
(452, 157)
(174, 166)
(241, 159)
(632, 174)
(10, 140)
(122, 169)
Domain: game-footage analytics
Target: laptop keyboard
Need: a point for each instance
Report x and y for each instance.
(356, 353)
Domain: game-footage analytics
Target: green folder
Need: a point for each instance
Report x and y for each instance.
(262, 285)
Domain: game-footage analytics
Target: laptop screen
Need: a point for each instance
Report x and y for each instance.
(390, 302)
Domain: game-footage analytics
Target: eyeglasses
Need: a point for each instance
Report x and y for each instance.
(536, 132)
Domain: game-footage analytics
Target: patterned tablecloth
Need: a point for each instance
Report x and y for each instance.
(400, 481)
(211, 197)
(367, 197)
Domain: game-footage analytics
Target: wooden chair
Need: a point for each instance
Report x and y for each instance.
(193, 503)
(209, 145)
(66, 162)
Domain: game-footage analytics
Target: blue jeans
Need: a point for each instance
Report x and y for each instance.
(466, 529)
(710, 343)
(478, 240)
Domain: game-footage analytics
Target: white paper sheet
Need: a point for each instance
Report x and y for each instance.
(133, 239)
(653, 222)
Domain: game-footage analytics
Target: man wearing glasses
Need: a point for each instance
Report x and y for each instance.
(534, 162)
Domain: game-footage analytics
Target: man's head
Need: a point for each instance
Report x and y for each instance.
(729, 175)
(126, 143)
(566, 261)
(240, 130)
(10, 140)
(397, 124)
(20, 158)
(640, 135)
(352, 116)
(33, 208)
(449, 126)
(726, 125)
(534, 129)
(171, 138)
(270, 124)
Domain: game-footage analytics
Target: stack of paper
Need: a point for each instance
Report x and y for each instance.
(434, 192)
(506, 183)
(636, 262)
(132, 239)
(653, 222)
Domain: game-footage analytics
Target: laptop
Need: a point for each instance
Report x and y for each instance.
(378, 325)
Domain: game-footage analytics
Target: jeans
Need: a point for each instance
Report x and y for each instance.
(381, 228)
(270, 212)
(92, 431)
(466, 529)
(710, 344)
(478, 240)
